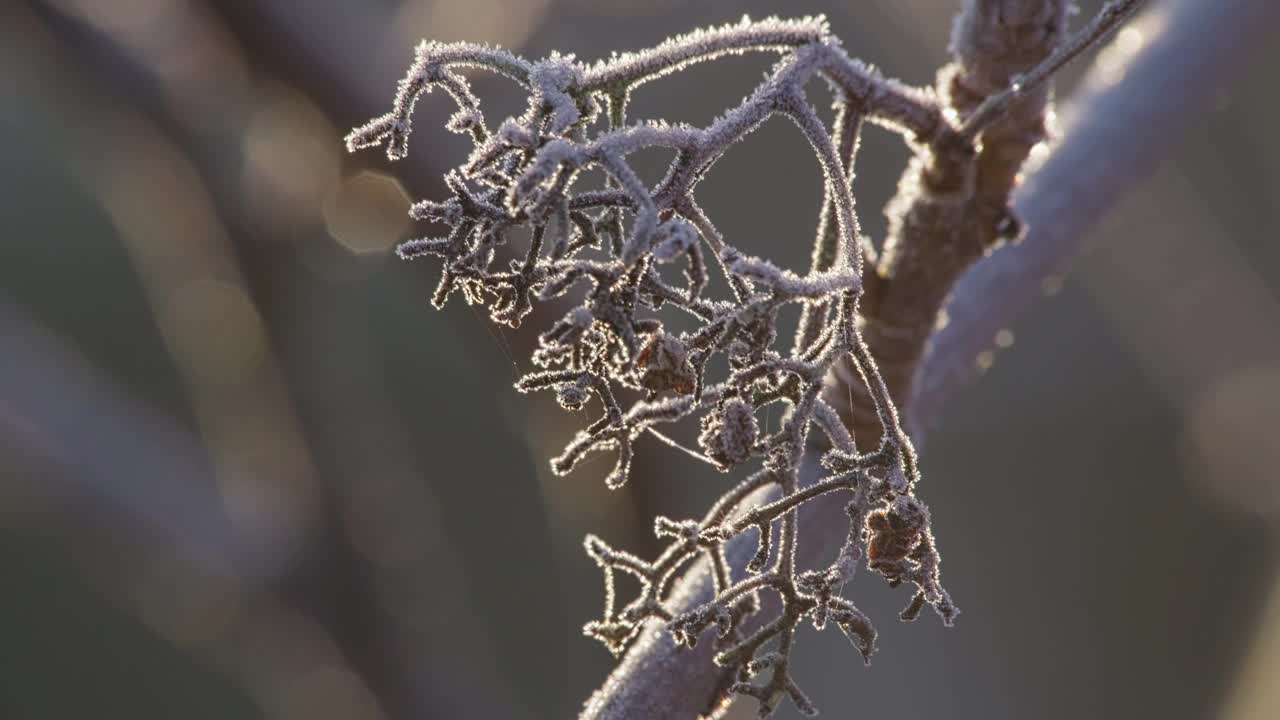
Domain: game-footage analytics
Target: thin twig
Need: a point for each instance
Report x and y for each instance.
(1110, 17)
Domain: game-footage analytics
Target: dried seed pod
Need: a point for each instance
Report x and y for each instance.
(895, 533)
(729, 433)
(572, 396)
(663, 364)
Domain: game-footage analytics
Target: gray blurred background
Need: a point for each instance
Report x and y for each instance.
(246, 471)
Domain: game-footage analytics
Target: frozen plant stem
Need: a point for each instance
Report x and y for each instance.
(611, 253)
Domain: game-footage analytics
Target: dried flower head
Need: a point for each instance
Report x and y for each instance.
(607, 247)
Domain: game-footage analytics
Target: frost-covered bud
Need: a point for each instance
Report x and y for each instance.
(663, 364)
(513, 133)
(729, 433)
(572, 396)
(551, 80)
(895, 532)
(686, 628)
(448, 212)
(464, 121)
(856, 626)
(675, 237)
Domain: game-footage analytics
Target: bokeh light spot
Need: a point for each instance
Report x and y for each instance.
(367, 213)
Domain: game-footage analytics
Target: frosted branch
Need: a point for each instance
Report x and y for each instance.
(613, 244)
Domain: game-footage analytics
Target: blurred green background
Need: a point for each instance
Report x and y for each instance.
(246, 471)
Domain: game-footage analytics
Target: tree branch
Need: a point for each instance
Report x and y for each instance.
(1192, 45)
(1114, 133)
(952, 204)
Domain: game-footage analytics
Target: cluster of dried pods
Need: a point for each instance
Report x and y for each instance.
(614, 259)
